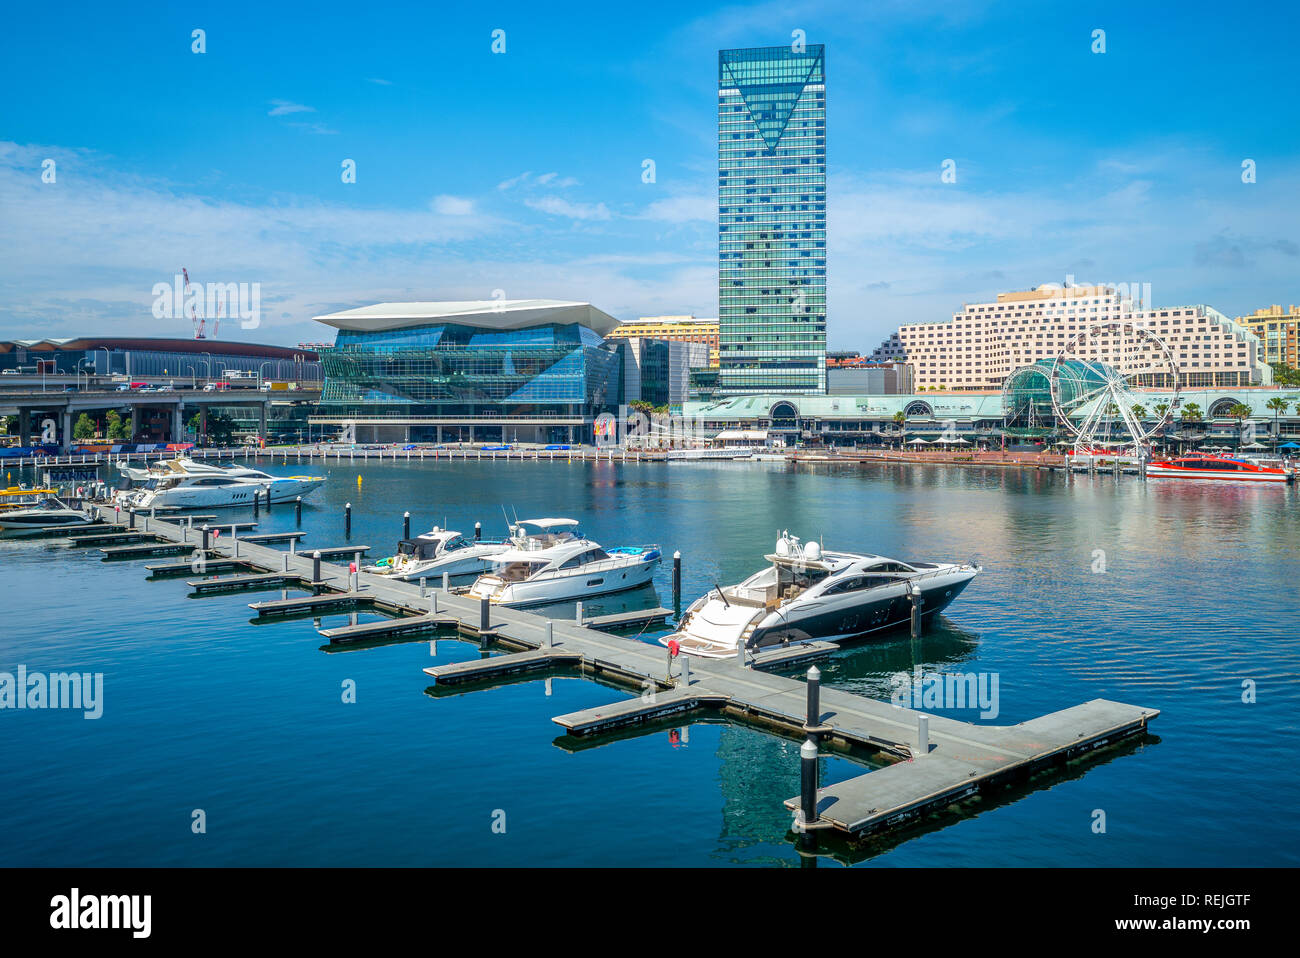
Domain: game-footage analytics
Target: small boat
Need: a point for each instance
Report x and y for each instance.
(1208, 466)
(436, 552)
(17, 497)
(549, 560)
(49, 511)
(807, 595)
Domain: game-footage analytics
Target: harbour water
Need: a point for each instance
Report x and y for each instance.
(1166, 594)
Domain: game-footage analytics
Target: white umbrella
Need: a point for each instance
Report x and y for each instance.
(918, 441)
(959, 440)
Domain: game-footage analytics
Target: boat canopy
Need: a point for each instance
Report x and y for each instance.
(546, 524)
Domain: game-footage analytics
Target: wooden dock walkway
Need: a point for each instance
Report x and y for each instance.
(951, 761)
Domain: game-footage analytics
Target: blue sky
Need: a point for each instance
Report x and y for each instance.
(521, 171)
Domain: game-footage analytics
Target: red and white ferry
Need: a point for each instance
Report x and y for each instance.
(1207, 466)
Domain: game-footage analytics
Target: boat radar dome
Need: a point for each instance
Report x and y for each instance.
(783, 546)
(812, 551)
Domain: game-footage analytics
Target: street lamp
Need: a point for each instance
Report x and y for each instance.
(259, 373)
(194, 379)
(208, 362)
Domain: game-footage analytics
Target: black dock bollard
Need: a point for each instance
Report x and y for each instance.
(484, 621)
(130, 514)
(315, 566)
(677, 584)
(406, 526)
(808, 791)
(268, 500)
(814, 719)
(257, 511)
(915, 592)
(478, 531)
(347, 520)
(205, 538)
(297, 510)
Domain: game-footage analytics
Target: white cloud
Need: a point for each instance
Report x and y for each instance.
(281, 107)
(379, 81)
(514, 181)
(453, 205)
(557, 206)
(683, 209)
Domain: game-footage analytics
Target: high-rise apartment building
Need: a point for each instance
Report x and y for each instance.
(772, 220)
(983, 344)
(680, 329)
(1278, 332)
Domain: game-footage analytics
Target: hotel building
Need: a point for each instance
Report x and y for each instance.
(677, 329)
(772, 220)
(1278, 332)
(986, 342)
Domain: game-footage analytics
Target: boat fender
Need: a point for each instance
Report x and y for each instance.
(674, 647)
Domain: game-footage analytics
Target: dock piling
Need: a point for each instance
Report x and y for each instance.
(686, 669)
(814, 718)
(347, 520)
(130, 518)
(484, 614)
(740, 653)
(268, 499)
(808, 791)
(286, 562)
(922, 736)
(424, 587)
(205, 537)
(677, 584)
(577, 612)
(234, 539)
(315, 566)
(446, 582)
(406, 525)
(297, 510)
(478, 532)
(257, 509)
(915, 593)
(548, 634)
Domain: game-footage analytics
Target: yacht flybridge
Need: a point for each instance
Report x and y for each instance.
(436, 552)
(549, 560)
(182, 483)
(805, 595)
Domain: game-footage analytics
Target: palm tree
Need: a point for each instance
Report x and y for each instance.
(900, 418)
(1191, 412)
(1240, 412)
(1278, 405)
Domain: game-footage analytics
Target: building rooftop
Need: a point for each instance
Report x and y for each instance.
(501, 314)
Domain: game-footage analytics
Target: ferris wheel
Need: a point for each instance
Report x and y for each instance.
(1097, 381)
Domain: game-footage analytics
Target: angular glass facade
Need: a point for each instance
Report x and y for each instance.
(452, 370)
(772, 220)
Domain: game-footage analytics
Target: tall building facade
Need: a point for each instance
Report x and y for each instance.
(772, 220)
(1278, 332)
(983, 344)
(681, 329)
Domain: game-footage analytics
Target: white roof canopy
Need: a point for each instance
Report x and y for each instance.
(503, 314)
(547, 523)
(756, 434)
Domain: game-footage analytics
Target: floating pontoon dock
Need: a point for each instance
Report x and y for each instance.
(941, 760)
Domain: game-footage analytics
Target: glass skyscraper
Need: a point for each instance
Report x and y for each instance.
(772, 220)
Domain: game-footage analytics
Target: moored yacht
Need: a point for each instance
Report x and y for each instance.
(549, 560)
(806, 595)
(183, 486)
(48, 511)
(436, 552)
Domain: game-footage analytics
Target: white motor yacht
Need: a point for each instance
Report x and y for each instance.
(185, 484)
(549, 560)
(436, 552)
(806, 595)
(48, 511)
